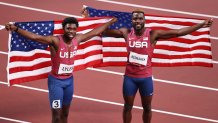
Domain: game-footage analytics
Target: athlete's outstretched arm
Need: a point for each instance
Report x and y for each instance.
(119, 33)
(162, 34)
(30, 35)
(96, 31)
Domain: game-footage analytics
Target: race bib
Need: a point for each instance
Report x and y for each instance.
(64, 69)
(138, 58)
(56, 104)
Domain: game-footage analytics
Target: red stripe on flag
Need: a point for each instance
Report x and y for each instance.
(29, 58)
(182, 64)
(83, 56)
(30, 68)
(181, 56)
(28, 78)
(171, 22)
(182, 49)
(92, 63)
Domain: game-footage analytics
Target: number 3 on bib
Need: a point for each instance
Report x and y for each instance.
(56, 104)
(138, 58)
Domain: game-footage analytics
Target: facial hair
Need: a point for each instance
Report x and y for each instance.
(138, 29)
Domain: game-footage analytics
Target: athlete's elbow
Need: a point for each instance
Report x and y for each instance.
(96, 33)
(37, 38)
(180, 33)
(34, 37)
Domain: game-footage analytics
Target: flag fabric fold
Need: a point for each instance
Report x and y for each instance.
(190, 50)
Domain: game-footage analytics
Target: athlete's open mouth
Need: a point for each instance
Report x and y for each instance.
(70, 35)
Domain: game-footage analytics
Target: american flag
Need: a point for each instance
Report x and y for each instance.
(30, 60)
(190, 50)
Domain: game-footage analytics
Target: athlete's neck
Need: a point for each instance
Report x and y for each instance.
(139, 32)
(67, 40)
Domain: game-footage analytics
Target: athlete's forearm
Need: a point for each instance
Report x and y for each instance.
(102, 28)
(187, 30)
(96, 31)
(29, 35)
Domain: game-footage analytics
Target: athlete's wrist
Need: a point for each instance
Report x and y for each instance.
(16, 29)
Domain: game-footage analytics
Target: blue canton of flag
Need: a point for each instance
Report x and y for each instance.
(20, 43)
(124, 18)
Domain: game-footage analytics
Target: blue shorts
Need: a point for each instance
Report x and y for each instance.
(131, 85)
(60, 91)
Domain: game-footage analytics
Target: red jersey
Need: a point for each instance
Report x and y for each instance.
(140, 52)
(63, 60)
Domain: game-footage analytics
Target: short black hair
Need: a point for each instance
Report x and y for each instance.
(138, 11)
(71, 20)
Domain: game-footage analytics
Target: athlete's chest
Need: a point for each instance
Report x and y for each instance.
(138, 42)
(67, 51)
